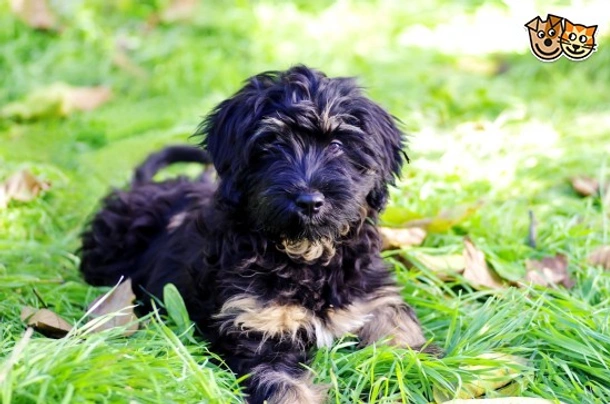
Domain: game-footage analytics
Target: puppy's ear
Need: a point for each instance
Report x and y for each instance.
(533, 24)
(554, 19)
(387, 144)
(225, 131)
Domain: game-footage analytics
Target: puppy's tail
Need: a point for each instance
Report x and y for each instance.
(132, 219)
(172, 154)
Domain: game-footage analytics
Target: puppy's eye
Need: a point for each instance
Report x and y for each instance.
(551, 32)
(335, 147)
(540, 34)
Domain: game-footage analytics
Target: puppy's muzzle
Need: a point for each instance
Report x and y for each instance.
(309, 203)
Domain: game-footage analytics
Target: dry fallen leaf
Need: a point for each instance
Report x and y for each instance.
(585, 186)
(122, 60)
(601, 257)
(22, 186)
(56, 100)
(35, 13)
(85, 98)
(446, 267)
(45, 322)
(476, 270)
(123, 47)
(498, 376)
(399, 238)
(118, 302)
(504, 400)
(178, 10)
(549, 271)
(446, 219)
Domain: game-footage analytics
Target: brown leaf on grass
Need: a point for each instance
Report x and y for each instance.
(178, 10)
(549, 271)
(398, 238)
(122, 60)
(22, 186)
(85, 98)
(46, 322)
(585, 186)
(118, 302)
(35, 13)
(446, 267)
(601, 257)
(498, 374)
(446, 219)
(56, 100)
(476, 270)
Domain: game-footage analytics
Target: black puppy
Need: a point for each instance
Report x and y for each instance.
(282, 254)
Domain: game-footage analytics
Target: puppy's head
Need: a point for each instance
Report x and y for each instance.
(544, 37)
(303, 155)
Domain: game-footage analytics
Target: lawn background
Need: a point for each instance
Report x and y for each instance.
(490, 126)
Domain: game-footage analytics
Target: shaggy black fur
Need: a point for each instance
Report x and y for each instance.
(304, 162)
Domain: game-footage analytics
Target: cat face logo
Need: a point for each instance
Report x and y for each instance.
(544, 37)
(577, 41)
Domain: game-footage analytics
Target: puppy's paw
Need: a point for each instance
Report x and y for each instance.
(300, 392)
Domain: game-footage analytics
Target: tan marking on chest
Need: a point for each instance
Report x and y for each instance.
(245, 312)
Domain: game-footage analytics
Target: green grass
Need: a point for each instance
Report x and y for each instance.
(497, 128)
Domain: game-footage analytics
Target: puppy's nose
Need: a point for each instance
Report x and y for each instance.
(310, 202)
(548, 42)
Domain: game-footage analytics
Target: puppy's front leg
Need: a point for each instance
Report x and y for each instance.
(390, 317)
(269, 342)
(283, 383)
